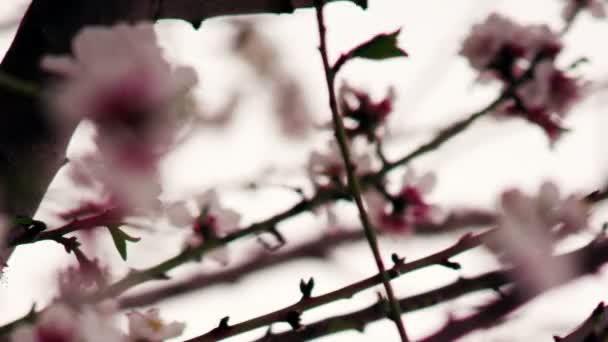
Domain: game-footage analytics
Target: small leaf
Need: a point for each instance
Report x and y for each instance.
(382, 46)
(120, 239)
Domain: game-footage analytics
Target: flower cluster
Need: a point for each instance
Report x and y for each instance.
(76, 282)
(211, 221)
(364, 115)
(400, 213)
(326, 168)
(500, 48)
(63, 323)
(528, 227)
(118, 79)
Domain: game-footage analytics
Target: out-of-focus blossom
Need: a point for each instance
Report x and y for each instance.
(61, 323)
(76, 282)
(119, 80)
(149, 327)
(498, 45)
(363, 114)
(550, 90)
(326, 168)
(528, 227)
(126, 191)
(547, 98)
(595, 7)
(402, 212)
(212, 220)
(293, 113)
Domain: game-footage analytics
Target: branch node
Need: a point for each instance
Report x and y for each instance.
(306, 288)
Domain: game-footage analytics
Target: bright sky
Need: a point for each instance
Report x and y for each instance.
(434, 87)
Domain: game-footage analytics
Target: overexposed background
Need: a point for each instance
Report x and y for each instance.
(434, 88)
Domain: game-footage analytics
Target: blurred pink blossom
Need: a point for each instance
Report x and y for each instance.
(528, 226)
(327, 167)
(61, 323)
(363, 114)
(212, 220)
(499, 45)
(400, 213)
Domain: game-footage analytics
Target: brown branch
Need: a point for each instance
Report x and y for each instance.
(467, 242)
(317, 248)
(594, 328)
(594, 255)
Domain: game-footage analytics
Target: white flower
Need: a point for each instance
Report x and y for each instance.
(149, 327)
(119, 79)
(595, 7)
(113, 186)
(528, 227)
(400, 213)
(212, 220)
(499, 45)
(60, 322)
(327, 167)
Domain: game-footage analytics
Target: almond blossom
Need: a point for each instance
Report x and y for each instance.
(110, 186)
(595, 7)
(400, 213)
(365, 116)
(118, 79)
(149, 327)
(499, 45)
(211, 221)
(61, 323)
(84, 279)
(548, 97)
(528, 227)
(327, 167)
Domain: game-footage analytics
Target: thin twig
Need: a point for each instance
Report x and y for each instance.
(353, 182)
(317, 248)
(594, 255)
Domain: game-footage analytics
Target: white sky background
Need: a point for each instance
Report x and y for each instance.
(435, 87)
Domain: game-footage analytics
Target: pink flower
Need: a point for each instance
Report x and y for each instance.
(400, 213)
(327, 168)
(551, 90)
(149, 327)
(528, 227)
(595, 7)
(212, 221)
(499, 45)
(119, 79)
(488, 40)
(61, 323)
(365, 116)
(547, 98)
(78, 281)
(112, 186)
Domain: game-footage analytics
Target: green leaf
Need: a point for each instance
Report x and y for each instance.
(382, 46)
(120, 239)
